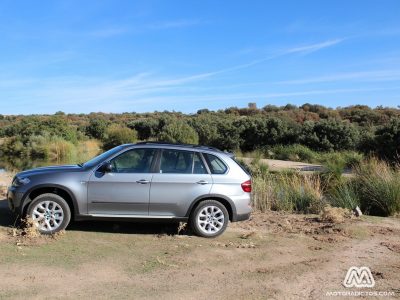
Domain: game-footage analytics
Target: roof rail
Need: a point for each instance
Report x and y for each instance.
(179, 144)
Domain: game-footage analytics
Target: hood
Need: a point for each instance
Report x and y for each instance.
(50, 169)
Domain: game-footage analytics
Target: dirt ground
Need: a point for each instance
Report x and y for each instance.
(271, 256)
(278, 165)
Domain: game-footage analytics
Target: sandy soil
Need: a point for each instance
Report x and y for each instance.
(277, 165)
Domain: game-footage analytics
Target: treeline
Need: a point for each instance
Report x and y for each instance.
(357, 128)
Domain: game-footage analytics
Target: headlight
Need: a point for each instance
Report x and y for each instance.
(18, 181)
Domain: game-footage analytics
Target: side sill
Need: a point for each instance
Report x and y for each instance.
(134, 218)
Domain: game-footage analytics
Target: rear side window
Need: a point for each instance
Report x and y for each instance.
(178, 162)
(215, 164)
(181, 162)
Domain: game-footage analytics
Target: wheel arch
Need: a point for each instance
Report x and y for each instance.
(228, 203)
(60, 190)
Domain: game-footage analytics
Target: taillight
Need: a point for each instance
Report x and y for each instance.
(246, 186)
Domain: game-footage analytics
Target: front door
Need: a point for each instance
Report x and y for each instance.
(182, 178)
(126, 189)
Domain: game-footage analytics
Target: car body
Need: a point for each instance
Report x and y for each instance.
(136, 181)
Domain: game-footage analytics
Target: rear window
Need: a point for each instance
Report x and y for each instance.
(215, 164)
(243, 165)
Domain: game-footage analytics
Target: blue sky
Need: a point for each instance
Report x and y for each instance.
(124, 56)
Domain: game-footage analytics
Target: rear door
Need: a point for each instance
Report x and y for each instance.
(182, 177)
(126, 189)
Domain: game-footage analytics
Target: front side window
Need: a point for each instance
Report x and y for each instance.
(216, 165)
(181, 162)
(134, 161)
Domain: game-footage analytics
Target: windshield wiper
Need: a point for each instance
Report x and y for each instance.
(80, 165)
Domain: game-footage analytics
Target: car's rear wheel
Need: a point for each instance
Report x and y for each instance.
(209, 219)
(50, 213)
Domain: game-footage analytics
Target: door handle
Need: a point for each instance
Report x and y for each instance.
(143, 181)
(202, 182)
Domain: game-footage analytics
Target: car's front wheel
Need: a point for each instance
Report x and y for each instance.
(209, 219)
(50, 213)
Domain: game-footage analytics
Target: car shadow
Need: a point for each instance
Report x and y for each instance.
(7, 219)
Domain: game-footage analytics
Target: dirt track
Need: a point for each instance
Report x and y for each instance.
(273, 255)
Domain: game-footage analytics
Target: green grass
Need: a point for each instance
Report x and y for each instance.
(345, 194)
(379, 187)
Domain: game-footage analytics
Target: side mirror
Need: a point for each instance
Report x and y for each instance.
(106, 167)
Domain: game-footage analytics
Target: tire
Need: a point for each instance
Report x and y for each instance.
(209, 219)
(50, 213)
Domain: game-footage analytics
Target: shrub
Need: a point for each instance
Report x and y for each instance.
(96, 128)
(346, 159)
(178, 132)
(146, 128)
(329, 135)
(387, 140)
(117, 135)
(258, 132)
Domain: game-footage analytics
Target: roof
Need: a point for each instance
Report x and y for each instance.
(192, 146)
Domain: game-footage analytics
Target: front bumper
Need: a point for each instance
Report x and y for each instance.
(14, 199)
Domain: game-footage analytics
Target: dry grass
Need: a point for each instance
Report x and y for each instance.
(28, 229)
(335, 214)
(292, 192)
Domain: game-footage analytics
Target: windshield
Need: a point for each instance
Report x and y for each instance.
(98, 159)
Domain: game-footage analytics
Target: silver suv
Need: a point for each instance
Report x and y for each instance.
(200, 185)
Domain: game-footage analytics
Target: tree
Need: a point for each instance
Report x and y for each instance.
(178, 132)
(117, 135)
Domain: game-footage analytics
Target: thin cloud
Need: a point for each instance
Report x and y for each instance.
(303, 50)
(314, 47)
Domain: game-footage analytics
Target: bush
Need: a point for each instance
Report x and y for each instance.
(259, 132)
(178, 132)
(117, 135)
(329, 135)
(387, 140)
(96, 128)
(146, 128)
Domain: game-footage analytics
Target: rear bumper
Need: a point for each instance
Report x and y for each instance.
(242, 207)
(241, 217)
